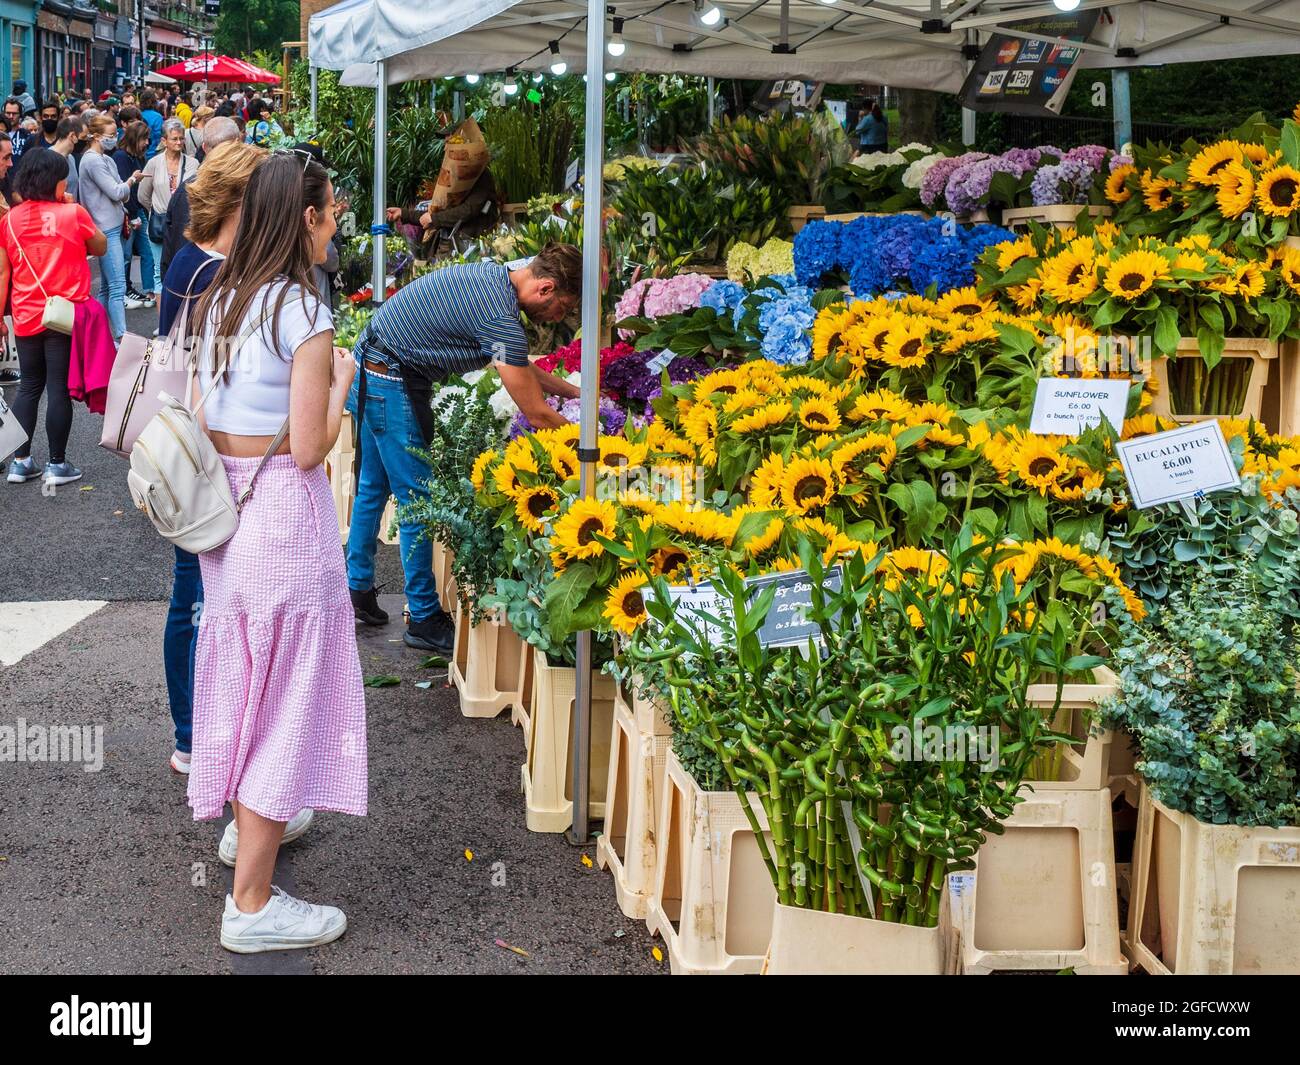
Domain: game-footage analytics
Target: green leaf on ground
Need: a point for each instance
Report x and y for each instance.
(384, 680)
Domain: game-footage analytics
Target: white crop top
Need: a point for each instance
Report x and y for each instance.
(254, 399)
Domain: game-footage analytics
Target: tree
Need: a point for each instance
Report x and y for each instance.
(246, 25)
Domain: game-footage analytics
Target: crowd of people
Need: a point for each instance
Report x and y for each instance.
(235, 242)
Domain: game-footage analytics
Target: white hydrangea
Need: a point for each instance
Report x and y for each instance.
(915, 173)
(503, 407)
(472, 378)
(875, 160)
(916, 146)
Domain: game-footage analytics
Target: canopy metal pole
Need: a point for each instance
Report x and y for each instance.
(1123, 108)
(314, 92)
(710, 102)
(379, 225)
(967, 115)
(588, 429)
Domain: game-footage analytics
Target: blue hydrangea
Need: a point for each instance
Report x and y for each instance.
(816, 251)
(723, 296)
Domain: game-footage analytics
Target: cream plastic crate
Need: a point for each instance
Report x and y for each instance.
(637, 759)
(339, 469)
(485, 665)
(444, 583)
(811, 943)
(713, 899)
(1213, 899)
(1042, 895)
(1082, 766)
(1061, 215)
(547, 775)
(1281, 403)
(520, 709)
(849, 216)
(1262, 355)
(800, 216)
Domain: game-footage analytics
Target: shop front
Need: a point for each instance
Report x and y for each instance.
(17, 32)
(64, 51)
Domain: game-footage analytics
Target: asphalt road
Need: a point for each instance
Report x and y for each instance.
(105, 872)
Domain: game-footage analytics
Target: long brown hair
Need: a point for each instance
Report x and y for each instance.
(272, 242)
(135, 139)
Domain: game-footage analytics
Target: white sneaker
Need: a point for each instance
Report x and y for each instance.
(284, 923)
(180, 762)
(298, 824)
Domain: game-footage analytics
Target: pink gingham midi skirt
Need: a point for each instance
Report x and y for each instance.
(279, 707)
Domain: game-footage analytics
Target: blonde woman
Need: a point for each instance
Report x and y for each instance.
(194, 135)
(104, 194)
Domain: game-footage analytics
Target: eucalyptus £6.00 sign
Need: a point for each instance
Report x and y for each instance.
(1065, 406)
(1184, 462)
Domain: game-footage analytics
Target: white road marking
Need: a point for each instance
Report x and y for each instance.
(26, 627)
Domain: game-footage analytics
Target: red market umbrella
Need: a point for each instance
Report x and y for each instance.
(218, 68)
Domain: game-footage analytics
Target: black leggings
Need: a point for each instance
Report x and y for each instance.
(43, 361)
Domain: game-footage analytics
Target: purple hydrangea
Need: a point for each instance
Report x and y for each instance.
(1067, 182)
(936, 178)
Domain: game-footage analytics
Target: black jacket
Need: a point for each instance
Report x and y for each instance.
(178, 220)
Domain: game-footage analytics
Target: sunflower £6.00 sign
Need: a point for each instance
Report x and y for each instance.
(1066, 406)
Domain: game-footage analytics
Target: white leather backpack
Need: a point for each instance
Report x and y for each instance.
(178, 480)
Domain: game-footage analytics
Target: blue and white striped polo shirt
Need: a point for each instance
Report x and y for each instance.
(453, 320)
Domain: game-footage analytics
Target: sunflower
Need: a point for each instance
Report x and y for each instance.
(575, 533)
(1076, 484)
(970, 331)
(905, 343)
(1110, 572)
(1256, 153)
(669, 561)
(617, 453)
(1249, 278)
(638, 500)
(1278, 191)
(765, 483)
(624, 606)
(1134, 272)
(507, 477)
(1157, 192)
(808, 485)
(1026, 296)
(1288, 267)
(851, 459)
(962, 301)
(1236, 188)
(1191, 260)
(1070, 276)
(767, 417)
(726, 381)
(828, 329)
(977, 435)
(1206, 164)
(757, 546)
(1117, 191)
(745, 400)
(479, 471)
(832, 541)
(532, 504)
(913, 561)
(1011, 252)
(563, 459)
(701, 428)
(1040, 463)
(819, 415)
(884, 405)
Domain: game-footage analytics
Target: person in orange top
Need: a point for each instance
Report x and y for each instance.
(43, 247)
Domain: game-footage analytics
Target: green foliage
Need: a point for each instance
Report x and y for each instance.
(531, 148)
(1209, 692)
(819, 730)
(464, 427)
(246, 26)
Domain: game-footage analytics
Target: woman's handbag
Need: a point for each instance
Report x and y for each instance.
(158, 219)
(60, 313)
(144, 368)
(12, 435)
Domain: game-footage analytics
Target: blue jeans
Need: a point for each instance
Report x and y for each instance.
(112, 283)
(179, 637)
(387, 468)
(140, 245)
(155, 256)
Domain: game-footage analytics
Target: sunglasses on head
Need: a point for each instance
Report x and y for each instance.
(306, 156)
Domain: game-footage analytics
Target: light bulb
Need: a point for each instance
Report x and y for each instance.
(616, 47)
(1065, 5)
(511, 86)
(558, 65)
(828, 3)
(610, 75)
(708, 14)
(471, 79)
(538, 78)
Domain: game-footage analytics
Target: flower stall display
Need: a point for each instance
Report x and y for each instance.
(748, 263)
(892, 253)
(880, 181)
(1020, 178)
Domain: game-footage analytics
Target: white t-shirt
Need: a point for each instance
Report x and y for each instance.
(254, 399)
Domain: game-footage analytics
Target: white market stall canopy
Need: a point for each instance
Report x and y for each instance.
(903, 43)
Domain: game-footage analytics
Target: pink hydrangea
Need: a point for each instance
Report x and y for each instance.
(657, 297)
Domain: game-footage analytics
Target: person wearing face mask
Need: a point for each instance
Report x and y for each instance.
(104, 193)
(49, 125)
(450, 321)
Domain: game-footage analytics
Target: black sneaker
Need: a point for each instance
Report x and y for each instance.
(365, 605)
(436, 634)
(8, 377)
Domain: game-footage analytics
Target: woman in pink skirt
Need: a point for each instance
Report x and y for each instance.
(279, 708)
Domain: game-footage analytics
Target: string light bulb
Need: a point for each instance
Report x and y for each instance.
(558, 65)
(471, 79)
(616, 46)
(708, 14)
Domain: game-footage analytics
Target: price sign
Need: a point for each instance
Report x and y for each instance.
(786, 624)
(1178, 464)
(660, 361)
(1065, 406)
(571, 175)
(699, 601)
